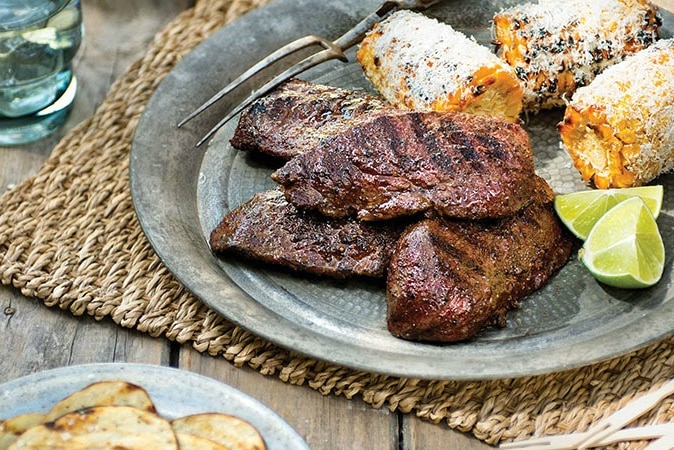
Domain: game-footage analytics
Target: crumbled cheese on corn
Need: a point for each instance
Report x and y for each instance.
(636, 100)
(420, 62)
(646, 78)
(578, 38)
(448, 60)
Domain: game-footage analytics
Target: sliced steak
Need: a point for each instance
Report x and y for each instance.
(458, 165)
(268, 229)
(297, 115)
(450, 279)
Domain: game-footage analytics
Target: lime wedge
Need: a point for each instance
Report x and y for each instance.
(579, 211)
(624, 248)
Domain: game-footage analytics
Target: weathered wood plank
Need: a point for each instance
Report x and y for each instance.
(420, 434)
(34, 337)
(326, 422)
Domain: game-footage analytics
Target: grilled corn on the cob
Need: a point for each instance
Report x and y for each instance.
(619, 130)
(418, 63)
(557, 46)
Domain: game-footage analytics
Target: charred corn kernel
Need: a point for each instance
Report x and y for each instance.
(619, 130)
(418, 63)
(557, 46)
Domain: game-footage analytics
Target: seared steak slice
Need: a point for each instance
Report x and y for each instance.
(459, 165)
(450, 279)
(269, 229)
(297, 115)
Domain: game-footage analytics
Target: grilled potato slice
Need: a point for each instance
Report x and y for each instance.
(101, 427)
(104, 393)
(230, 431)
(12, 428)
(193, 442)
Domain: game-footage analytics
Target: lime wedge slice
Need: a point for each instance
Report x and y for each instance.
(624, 248)
(579, 211)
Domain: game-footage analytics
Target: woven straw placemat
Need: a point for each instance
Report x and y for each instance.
(69, 237)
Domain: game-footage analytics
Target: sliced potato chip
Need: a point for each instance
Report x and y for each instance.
(230, 431)
(194, 442)
(104, 393)
(12, 428)
(101, 427)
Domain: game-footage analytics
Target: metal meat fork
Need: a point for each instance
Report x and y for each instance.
(331, 50)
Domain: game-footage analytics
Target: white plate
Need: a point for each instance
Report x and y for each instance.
(176, 393)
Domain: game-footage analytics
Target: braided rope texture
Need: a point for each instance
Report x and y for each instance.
(70, 238)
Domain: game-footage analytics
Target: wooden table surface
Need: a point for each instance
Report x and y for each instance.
(36, 338)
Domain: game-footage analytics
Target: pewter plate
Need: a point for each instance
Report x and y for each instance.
(180, 193)
(175, 393)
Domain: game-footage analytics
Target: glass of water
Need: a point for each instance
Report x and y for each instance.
(38, 39)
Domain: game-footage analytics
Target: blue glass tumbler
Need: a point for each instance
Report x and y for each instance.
(38, 40)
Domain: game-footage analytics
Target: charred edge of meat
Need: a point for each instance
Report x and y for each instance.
(449, 280)
(296, 116)
(270, 230)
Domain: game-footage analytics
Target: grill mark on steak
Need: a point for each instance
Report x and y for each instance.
(298, 115)
(450, 279)
(494, 146)
(268, 229)
(353, 158)
(458, 165)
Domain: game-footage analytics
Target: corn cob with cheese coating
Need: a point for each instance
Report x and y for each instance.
(418, 63)
(557, 46)
(619, 130)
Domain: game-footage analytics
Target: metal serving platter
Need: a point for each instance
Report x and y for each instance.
(181, 192)
(175, 393)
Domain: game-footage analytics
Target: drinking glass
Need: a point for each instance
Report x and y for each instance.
(38, 39)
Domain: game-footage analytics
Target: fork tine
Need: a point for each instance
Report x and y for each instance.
(286, 50)
(331, 52)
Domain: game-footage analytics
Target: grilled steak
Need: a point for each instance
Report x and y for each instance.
(459, 165)
(297, 115)
(269, 229)
(449, 279)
